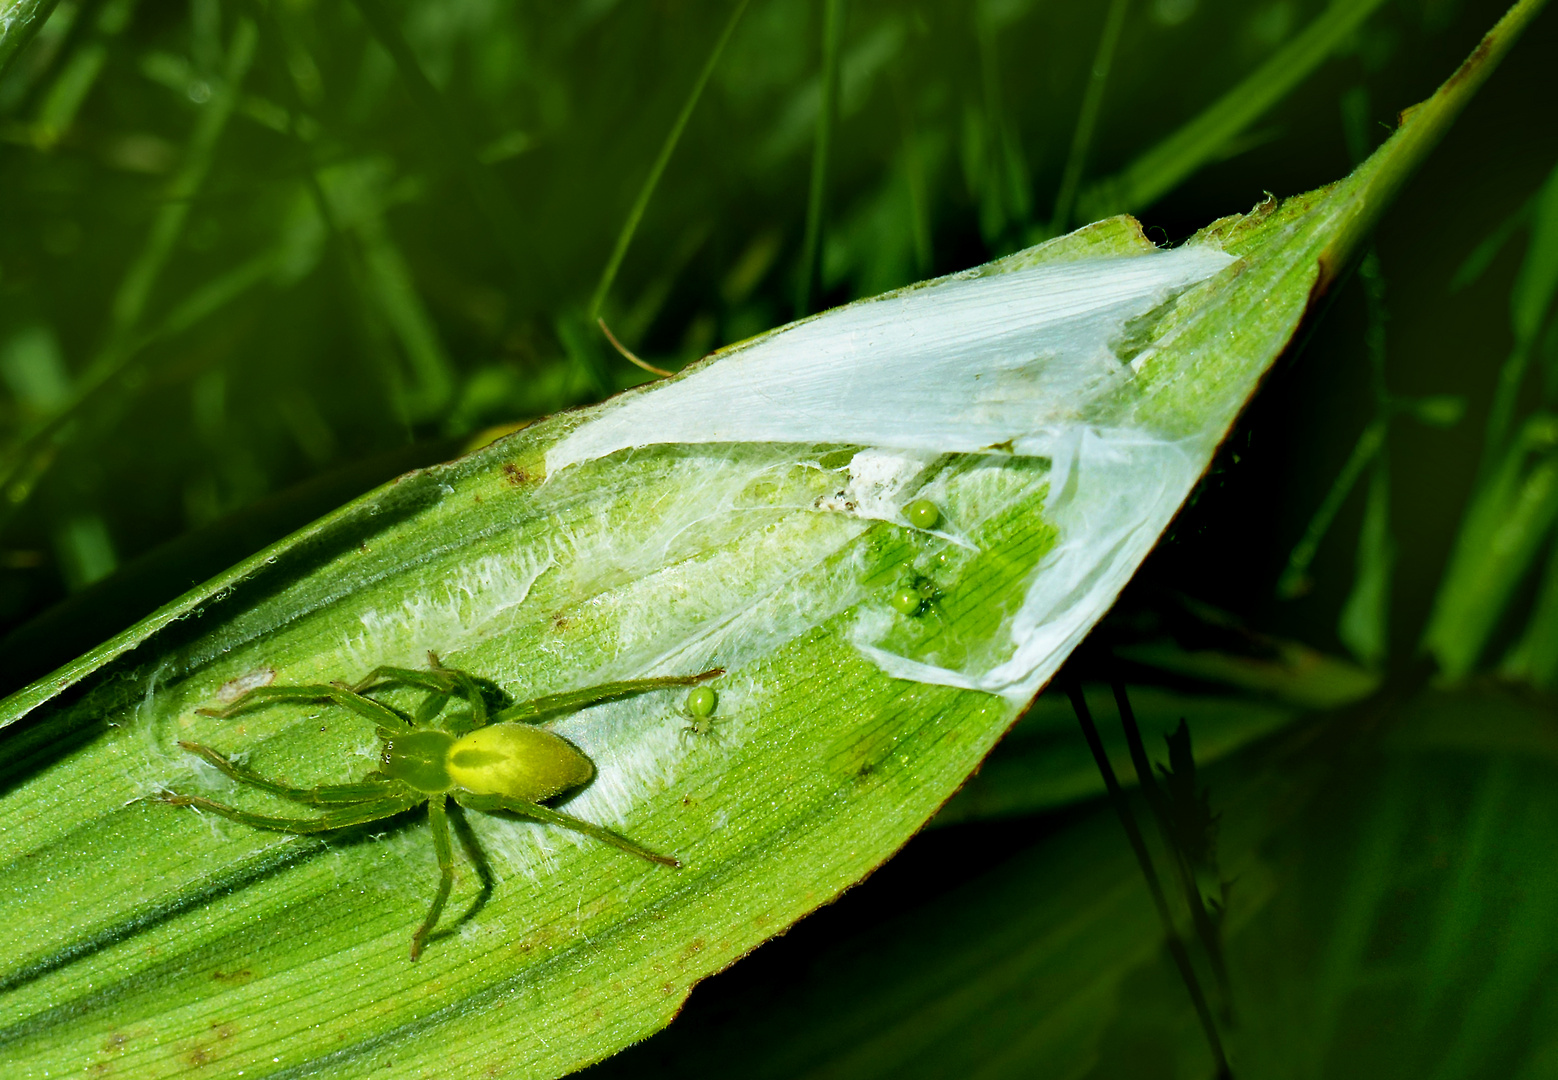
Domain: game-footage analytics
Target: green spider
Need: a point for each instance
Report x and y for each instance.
(483, 760)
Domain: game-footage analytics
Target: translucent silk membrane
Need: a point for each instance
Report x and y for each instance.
(1035, 363)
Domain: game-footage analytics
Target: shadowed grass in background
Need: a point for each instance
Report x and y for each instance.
(250, 248)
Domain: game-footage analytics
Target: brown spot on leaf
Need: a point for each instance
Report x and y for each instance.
(515, 475)
(233, 978)
(1478, 57)
(199, 1056)
(115, 1041)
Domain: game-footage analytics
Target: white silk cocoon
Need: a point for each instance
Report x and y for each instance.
(1024, 362)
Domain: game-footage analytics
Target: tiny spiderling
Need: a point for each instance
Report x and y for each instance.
(699, 712)
(492, 761)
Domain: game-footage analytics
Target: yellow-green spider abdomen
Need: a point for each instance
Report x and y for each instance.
(518, 761)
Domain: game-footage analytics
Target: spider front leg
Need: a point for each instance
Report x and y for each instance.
(547, 816)
(438, 817)
(343, 818)
(573, 700)
(320, 795)
(344, 696)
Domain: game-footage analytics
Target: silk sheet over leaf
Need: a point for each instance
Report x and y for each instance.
(1056, 406)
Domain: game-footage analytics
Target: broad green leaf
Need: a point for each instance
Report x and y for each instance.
(1056, 406)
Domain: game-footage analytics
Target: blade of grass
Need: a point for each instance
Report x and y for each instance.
(646, 191)
(1179, 857)
(1122, 808)
(25, 463)
(1294, 579)
(448, 130)
(1087, 117)
(1501, 535)
(1364, 624)
(1167, 165)
(832, 48)
(1529, 301)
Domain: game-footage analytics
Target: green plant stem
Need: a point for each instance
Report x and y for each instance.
(832, 40)
(1176, 945)
(1087, 118)
(1206, 930)
(646, 191)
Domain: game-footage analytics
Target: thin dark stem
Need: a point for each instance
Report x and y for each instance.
(1087, 118)
(1176, 946)
(832, 37)
(640, 204)
(1206, 930)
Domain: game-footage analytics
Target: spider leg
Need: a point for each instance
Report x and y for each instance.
(437, 679)
(439, 819)
(593, 695)
(344, 696)
(321, 795)
(547, 816)
(346, 816)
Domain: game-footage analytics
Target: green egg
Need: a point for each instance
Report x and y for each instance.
(922, 514)
(907, 600)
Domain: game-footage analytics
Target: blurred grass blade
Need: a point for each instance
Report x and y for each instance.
(1534, 657)
(1502, 534)
(1164, 167)
(816, 193)
(1087, 117)
(871, 664)
(1482, 256)
(358, 198)
(19, 21)
(1295, 575)
(662, 159)
(1529, 302)
(448, 130)
(25, 461)
(1364, 624)
(1041, 764)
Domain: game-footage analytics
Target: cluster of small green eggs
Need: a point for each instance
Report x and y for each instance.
(911, 599)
